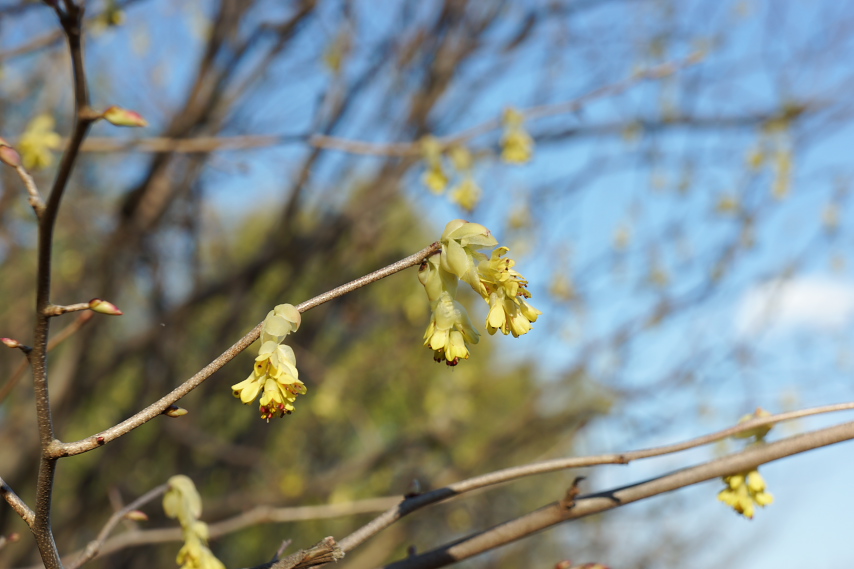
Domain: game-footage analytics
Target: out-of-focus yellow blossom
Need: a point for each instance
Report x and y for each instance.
(744, 491)
(467, 193)
(461, 158)
(182, 501)
(450, 331)
(517, 146)
(434, 176)
(275, 372)
(37, 142)
(758, 432)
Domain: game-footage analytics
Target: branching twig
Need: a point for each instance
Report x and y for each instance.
(399, 149)
(56, 340)
(95, 545)
(17, 503)
(59, 449)
(440, 494)
(70, 18)
(554, 513)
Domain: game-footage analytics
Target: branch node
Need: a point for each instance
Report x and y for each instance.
(568, 500)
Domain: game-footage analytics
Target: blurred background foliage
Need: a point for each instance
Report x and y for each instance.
(642, 218)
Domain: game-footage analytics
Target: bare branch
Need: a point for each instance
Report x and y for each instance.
(440, 494)
(401, 149)
(256, 516)
(95, 545)
(71, 20)
(17, 503)
(555, 513)
(56, 340)
(59, 449)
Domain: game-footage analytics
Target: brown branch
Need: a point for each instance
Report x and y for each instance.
(71, 19)
(60, 449)
(17, 503)
(554, 513)
(95, 545)
(440, 494)
(325, 551)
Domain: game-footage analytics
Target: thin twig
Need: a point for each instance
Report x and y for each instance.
(56, 340)
(440, 494)
(17, 503)
(394, 149)
(554, 513)
(36, 201)
(256, 516)
(60, 449)
(59, 309)
(95, 545)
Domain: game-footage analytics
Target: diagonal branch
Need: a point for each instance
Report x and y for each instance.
(59, 449)
(412, 504)
(556, 513)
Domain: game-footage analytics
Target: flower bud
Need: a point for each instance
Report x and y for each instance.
(175, 411)
(104, 307)
(136, 516)
(11, 343)
(8, 155)
(123, 117)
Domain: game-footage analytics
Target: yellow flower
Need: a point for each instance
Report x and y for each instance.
(467, 193)
(450, 331)
(461, 241)
(744, 491)
(182, 501)
(37, 142)
(434, 177)
(275, 374)
(508, 309)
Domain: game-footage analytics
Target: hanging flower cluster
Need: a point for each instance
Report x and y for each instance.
(437, 175)
(182, 501)
(450, 332)
(746, 490)
(517, 146)
(275, 375)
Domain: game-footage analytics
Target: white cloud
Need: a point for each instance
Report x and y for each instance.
(814, 303)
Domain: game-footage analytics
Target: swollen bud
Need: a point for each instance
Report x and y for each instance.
(104, 307)
(175, 411)
(136, 516)
(8, 155)
(123, 117)
(11, 343)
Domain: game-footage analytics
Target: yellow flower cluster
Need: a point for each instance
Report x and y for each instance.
(744, 491)
(450, 331)
(275, 370)
(182, 501)
(466, 193)
(517, 146)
